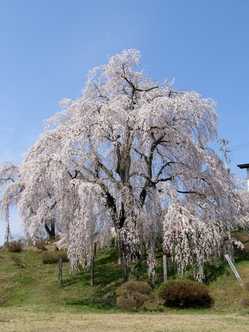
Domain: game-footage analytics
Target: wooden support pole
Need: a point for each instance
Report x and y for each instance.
(165, 272)
(93, 264)
(60, 271)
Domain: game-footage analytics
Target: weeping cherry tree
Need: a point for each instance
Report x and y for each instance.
(132, 155)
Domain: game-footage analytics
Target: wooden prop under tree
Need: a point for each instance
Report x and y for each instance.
(92, 267)
(60, 271)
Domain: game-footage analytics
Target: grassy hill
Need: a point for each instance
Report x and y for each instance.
(30, 292)
(26, 281)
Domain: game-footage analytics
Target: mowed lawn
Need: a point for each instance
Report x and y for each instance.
(14, 320)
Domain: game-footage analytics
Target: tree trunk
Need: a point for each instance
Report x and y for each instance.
(50, 229)
(122, 257)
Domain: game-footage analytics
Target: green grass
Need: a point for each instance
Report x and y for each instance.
(31, 299)
(228, 293)
(25, 281)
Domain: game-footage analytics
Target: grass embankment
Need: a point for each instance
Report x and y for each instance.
(25, 281)
(32, 300)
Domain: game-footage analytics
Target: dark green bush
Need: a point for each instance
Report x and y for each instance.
(185, 294)
(53, 257)
(138, 270)
(214, 269)
(133, 294)
(15, 246)
(49, 258)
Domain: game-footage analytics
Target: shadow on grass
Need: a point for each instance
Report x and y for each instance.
(108, 276)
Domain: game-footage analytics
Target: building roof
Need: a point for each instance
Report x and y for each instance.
(243, 166)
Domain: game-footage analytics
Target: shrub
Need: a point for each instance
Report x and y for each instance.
(138, 270)
(3, 300)
(214, 269)
(185, 294)
(53, 257)
(133, 294)
(41, 245)
(244, 302)
(15, 246)
(49, 258)
(153, 304)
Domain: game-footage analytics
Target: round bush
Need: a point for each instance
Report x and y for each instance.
(133, 294)
(185, 294)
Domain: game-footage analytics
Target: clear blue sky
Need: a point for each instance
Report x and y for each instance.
(47, 47)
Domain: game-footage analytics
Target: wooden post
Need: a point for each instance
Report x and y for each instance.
(7, 232)
(93, 264)
(124, 265)
(7, 235)
(235, 271)
(165, 272)
(60, 270)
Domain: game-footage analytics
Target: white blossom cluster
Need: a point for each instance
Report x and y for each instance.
(190, 241)
(90, 225)
(10, 188)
